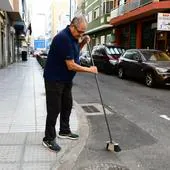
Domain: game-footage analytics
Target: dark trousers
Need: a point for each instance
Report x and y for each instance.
(58, 100)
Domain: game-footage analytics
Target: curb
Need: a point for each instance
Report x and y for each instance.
(69, 158)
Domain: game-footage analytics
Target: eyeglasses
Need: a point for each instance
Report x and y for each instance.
(79, 31)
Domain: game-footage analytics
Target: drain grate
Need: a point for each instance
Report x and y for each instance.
(106, 166)
(90, 109)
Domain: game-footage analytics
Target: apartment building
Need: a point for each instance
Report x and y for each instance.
(57, 17)
(79, 7)
(12, 29)
(128, 23)
(98, 16)
(142, 23)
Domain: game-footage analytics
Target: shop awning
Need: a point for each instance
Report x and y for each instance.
(102, 27)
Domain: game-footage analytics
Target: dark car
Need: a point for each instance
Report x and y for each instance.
(106, 57)
(152, 66)
(85, 59)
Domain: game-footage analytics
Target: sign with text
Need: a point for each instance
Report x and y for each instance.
(163, 23)
(39, 44)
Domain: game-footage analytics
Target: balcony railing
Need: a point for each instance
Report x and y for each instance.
(127, 7)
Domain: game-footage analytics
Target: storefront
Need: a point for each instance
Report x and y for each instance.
(163, 32)
(2, 38)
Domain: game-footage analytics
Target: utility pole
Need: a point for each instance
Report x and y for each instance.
(70, 10)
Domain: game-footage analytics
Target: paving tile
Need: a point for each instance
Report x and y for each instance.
(22, 128)
(10, 154)
(5, 121)
(37, 166)
(9, 166)
(12, 138)
(36, 153)
(4, 129)
(23, 117)
(34, 138)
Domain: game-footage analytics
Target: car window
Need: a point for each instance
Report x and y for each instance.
(128, 55)
(155, 56)
(96, 51)
(110, 51)
(114, 50)
(136, 56)
(102, 51)
(120, 50)
(93, 51)
(123, 50)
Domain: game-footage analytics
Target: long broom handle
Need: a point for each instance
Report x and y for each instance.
(107, 123)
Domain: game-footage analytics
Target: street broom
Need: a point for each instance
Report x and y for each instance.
(110, 145)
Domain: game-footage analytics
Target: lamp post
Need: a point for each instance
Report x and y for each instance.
(70, 10)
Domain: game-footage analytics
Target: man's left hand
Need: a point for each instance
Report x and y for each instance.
(86, 39)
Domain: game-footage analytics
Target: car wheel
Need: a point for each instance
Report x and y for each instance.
(121, 73)
(149, 79)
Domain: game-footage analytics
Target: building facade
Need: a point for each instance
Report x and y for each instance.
(128, 23)
(98, 16)
(12, 30)
(57, 17)
(136, 23)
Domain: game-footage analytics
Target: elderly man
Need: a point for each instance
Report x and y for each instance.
(60, 69)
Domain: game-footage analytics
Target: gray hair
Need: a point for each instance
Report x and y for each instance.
(78, 19)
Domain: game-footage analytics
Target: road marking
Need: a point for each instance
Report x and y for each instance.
(165, 117)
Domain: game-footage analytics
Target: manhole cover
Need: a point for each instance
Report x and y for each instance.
(90, 109)
(105, 166)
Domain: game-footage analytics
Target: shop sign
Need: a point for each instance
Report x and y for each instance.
(163, 23)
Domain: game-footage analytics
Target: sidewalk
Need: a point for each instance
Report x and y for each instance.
(22, 122)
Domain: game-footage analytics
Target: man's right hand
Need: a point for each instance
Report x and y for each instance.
(93, 69)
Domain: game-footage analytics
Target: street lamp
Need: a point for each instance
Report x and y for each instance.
(70, 10)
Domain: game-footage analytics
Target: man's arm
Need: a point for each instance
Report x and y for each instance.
(71, 65)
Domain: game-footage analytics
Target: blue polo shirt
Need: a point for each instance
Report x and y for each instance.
(63, 47)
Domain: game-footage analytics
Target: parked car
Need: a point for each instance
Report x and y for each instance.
(106, 57)
(85, 59)
(36, 53)
(42, 57)
(152, 66)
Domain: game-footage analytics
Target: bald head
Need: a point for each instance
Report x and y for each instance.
(78, 26)
(79, 20)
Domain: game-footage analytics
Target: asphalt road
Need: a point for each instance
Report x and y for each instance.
(139, 121)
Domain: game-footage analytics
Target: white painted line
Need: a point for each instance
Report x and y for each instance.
(165, 117)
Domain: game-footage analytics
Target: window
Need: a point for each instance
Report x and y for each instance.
(90, 16)
(108, 38)
(107, 7)
(122, 2)
(97, 40)
(102, 38)
(95, 50)
(96, 13)
(128, 55)
(102, 51)
(136, 56)
(155, 56)
(114, 50)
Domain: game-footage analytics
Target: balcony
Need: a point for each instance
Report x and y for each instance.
(6, 5)
(99, 23)
(137, 9)
(127, 7)
(16, 14)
